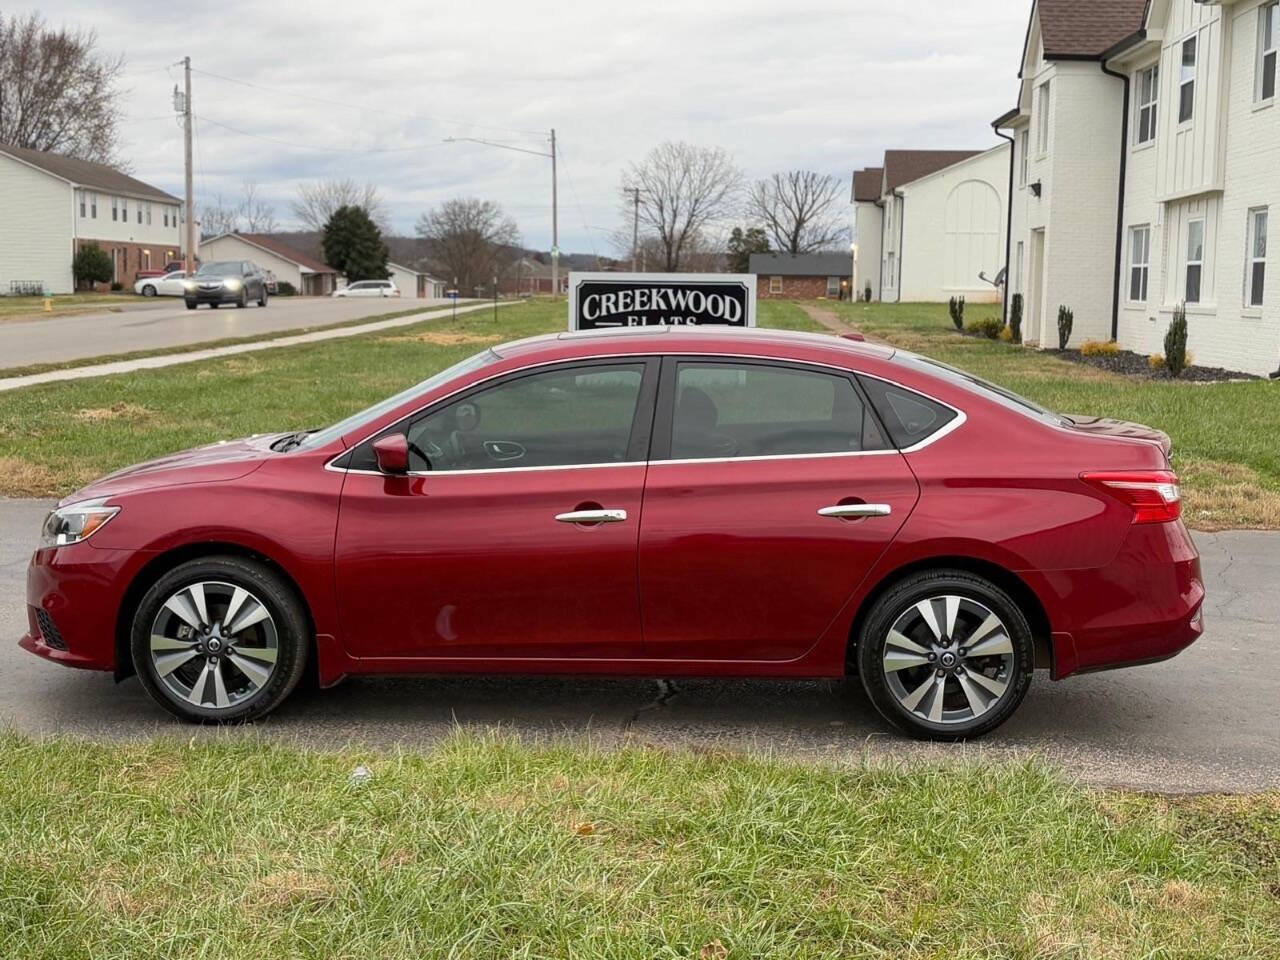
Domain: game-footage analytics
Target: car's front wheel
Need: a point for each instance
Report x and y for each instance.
(148, 290)
(219, 639)
(262, 296)
(946, 655)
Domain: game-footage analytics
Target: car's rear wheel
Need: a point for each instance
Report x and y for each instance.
(219, 639)
(946, 655)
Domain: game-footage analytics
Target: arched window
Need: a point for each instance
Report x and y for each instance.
(972, 235)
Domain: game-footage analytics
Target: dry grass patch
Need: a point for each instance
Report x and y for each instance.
(117, 411)
(441, 339)
(18, 478)
(289, 889)
(1226, 496)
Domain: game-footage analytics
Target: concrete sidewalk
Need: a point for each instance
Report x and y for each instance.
(171, 359)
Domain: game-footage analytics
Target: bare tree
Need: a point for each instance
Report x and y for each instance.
(470, 240)
(684, 191)
(801, 210)
(317, 202)
(217, 217)
(256, 214)
(56, 92)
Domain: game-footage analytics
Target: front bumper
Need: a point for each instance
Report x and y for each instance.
(220, 295)
(73, 598)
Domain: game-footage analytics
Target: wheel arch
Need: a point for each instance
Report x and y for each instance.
(161, 563)
(1004, 578)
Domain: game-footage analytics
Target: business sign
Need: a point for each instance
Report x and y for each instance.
(600, 301)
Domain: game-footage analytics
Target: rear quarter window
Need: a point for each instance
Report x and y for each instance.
(909, 417)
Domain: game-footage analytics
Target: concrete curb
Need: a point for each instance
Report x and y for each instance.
(172, 359)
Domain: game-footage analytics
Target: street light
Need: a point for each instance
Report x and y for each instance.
(555, 213)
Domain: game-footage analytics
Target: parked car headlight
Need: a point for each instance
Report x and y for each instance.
(76, 522)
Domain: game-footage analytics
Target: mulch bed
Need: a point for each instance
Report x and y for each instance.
(1137, 365)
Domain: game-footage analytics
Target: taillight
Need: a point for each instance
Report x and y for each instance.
(1153, 494)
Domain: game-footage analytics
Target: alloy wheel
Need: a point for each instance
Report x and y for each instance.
(948, 660)
(214, 645)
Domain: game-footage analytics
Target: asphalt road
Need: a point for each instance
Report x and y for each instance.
(1208, 720)
(166, 322)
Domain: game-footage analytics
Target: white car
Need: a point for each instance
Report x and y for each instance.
(368, 288)
(169, 285)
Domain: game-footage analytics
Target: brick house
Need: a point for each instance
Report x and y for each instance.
(807, 276)
(1145, 142)
(54, 205)
(529, 277)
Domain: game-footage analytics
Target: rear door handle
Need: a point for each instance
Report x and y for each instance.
(593, 516)
(845, 511)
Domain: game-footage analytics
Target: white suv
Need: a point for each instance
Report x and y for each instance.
(368, 288)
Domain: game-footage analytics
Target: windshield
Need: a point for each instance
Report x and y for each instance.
(223, 268)
(967, 381)
(354, 422)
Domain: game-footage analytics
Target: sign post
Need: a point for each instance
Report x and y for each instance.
(601, 301)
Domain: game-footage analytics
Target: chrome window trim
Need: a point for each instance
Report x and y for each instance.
(959, 420)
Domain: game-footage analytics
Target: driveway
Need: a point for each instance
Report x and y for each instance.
(1206, 720)
(169, 324)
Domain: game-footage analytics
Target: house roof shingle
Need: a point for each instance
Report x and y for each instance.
(1087, 28)
(86, 173)
(803, 265)
(280, 249)
(867, 183)
(903, 166)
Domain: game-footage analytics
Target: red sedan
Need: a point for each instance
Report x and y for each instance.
(650, 502)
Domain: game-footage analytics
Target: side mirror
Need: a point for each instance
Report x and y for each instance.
(392, 452)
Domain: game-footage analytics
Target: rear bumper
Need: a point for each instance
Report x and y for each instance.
(1143, 607)
(76, 591)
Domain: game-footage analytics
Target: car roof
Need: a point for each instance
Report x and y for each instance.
(689, 339)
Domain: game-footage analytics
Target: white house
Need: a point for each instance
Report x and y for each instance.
(53, 205)
(415, 284)
(309, 276)
(1147, 143)
(940, 216)
(868, 225)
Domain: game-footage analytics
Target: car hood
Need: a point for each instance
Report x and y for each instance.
(217, 462)
(1103, 426)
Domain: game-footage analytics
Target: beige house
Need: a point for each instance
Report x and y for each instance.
(415, 284)
(309, 276)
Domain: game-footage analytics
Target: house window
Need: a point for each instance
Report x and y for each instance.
(833, 287)
(146, 259)
(1139, 262)
(148, 213)
(1017, 267)
(1268, 44)
(1042, 120)
(83, 204)
(139, 211)
(775, 284)
(1024, 149)
(1195, 259)
(115, 208)
(93, 206)
(1148, 85)
(124, 209)
(891, 266)
(1187, 85)
(165, 211)
(1256, 277)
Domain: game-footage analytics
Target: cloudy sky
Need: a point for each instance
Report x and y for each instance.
(288, 93)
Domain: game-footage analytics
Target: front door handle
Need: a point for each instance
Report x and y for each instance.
(845, 511)
(593, 516)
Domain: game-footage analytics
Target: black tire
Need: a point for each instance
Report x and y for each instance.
(244, 299)
(215, 305)
(1015, 671)
(262, 296)
(191, 305)
(292, 635)
(148, 290)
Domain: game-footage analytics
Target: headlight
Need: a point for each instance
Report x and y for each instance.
(76, 522)
(231, 283)
(189, 286)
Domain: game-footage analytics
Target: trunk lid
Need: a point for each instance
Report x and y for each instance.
(1107, 427)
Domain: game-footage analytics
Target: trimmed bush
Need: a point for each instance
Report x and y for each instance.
(1006, 335)
(1175, 342)
(1015, 317)
(866, 293)
(91, 265)
(285, 289)
(1066, 317)
(988, 327)
(1156, 361)
(956, 308)
(1100, 348)
(116, 286)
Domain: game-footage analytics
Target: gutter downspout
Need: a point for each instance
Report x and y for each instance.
(1124, 169)
(902, 227)
(880, 284)
(1008, 227)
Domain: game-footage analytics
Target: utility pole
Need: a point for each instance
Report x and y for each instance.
(555, 223)
(189, 264)
(635, 230)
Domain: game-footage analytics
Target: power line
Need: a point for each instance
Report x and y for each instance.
(361, 107)
(308, 146)
(581, 213)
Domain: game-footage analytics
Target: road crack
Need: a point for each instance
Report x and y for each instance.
(666, 692)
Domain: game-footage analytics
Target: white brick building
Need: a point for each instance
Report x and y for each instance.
(53, 205)
(929, 224)
(1146, 147)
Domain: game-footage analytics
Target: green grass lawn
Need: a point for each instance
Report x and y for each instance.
(58, 436)
(64, 303)
(1226, 436)
(486, 847)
